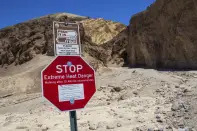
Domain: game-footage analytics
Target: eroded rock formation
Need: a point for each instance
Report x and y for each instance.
(22, 42)
(164, 36)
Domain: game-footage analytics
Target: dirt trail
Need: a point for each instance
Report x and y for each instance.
(126, 100)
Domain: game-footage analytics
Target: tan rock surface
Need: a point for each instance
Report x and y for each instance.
(164, 35)
(101, 31)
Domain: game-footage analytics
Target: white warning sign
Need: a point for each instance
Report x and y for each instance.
(63, 49)
(66, 38)
(70, 92)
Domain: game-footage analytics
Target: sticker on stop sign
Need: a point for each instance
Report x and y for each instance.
(68, 82)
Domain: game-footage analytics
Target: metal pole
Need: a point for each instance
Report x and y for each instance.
(73, 120)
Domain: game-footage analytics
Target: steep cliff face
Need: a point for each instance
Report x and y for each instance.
(164, 36)
(22, 42)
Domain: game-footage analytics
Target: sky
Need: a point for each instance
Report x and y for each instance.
(17, 11)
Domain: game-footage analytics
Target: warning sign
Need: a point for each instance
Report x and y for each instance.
(66, 38)
(71, 91)
(64, 49)
(68, 82)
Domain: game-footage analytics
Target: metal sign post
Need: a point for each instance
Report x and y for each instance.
(68, 82)
(73, 121)
(67, 42)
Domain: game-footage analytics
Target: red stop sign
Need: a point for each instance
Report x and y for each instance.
(68, 82)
